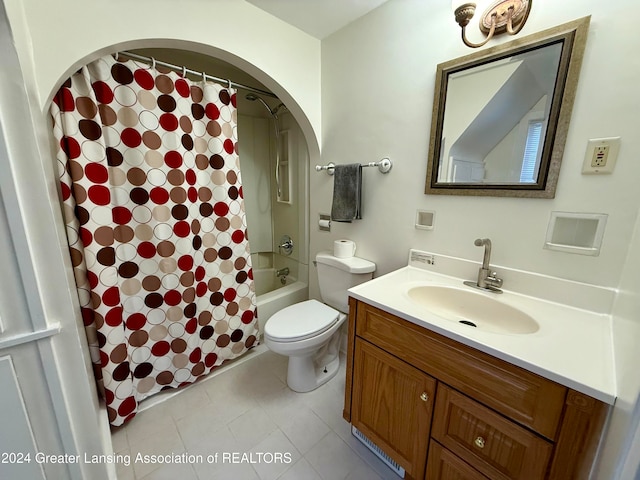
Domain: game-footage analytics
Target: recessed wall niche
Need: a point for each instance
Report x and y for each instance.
(579, 233)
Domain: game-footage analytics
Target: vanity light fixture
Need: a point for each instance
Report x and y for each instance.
(501, 16)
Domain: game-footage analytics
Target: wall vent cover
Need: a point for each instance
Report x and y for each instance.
(378, 452)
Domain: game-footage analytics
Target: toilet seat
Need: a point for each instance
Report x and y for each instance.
(301, 321)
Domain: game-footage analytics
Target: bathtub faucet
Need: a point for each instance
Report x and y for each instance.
(283, 272)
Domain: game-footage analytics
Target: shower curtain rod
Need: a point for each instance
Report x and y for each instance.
(185, 70)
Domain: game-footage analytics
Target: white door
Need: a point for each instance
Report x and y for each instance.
(27, 421)
(50, 416)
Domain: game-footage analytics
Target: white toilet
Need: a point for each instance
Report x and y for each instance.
(308, 332)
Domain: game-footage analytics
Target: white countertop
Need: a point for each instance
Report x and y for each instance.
(573, 346)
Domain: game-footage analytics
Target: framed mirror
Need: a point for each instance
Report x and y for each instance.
(501, 115)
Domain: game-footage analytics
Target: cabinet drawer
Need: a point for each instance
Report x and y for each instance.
(486, 440)
(525, 397)
(444, 465)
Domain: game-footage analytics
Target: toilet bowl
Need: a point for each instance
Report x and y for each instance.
(309, 332)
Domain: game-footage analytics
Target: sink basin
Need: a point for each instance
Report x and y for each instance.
(473, 309)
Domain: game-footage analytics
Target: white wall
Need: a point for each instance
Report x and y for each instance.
(626, 415)
(378, 79)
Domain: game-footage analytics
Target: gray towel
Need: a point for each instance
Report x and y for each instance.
(347, 189)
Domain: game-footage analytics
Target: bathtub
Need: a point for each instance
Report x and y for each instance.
(273, 296)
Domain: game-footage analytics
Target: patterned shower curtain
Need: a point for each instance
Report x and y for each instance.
(152, 198)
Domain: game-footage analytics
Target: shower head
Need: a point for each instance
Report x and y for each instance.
(273, 112)
(279, 107)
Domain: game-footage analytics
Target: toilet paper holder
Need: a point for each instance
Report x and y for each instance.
(324, 223)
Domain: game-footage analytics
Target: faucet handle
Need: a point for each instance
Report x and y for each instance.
(286, 245)
(494, 280)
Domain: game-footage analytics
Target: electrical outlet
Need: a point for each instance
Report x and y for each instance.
(601, 155)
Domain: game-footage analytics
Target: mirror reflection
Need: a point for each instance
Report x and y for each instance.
(496, 119)
(501, 115)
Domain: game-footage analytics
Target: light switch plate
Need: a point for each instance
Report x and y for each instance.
(601, 155)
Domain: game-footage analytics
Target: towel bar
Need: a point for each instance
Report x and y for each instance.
(383, 165)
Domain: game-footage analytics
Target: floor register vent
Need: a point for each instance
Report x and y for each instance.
(378, 452)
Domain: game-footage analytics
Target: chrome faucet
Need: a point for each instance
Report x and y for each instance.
(283, 272)
(487, 280)
(282, 275)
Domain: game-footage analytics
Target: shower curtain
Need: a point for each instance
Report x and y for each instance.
(152, 198)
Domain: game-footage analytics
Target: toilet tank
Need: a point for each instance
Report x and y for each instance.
(337, 275)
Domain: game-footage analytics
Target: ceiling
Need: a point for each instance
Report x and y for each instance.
(318, 18)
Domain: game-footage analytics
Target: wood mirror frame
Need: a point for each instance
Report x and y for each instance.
(573, 37)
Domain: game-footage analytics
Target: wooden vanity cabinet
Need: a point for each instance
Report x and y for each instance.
(445, 411)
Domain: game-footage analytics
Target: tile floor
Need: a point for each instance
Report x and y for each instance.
(248, 409)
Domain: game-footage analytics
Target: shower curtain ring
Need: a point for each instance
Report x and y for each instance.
(204, 77)
(153, 63)
(184, 72)
(230, 86)
(117, 56)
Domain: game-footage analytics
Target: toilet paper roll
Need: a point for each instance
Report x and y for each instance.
(344, 248)
(324, 224)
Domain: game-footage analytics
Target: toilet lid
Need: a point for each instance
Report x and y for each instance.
(300, 321)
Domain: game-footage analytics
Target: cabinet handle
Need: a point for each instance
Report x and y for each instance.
(424, 397)
(479, 442)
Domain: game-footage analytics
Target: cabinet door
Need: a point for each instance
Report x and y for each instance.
(392, 405)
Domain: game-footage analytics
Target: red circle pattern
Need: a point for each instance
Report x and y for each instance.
(163, 271)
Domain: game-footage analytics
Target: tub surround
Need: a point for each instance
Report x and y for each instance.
(572, 347)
